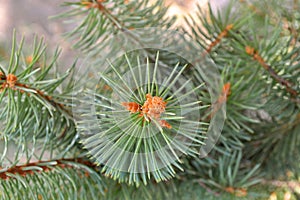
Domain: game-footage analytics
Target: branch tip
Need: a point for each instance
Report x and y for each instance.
(152, 108)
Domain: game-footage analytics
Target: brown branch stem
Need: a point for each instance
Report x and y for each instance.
(214, 43)
(255, 55)
(62, 163)
(11, 81)
(47, 98)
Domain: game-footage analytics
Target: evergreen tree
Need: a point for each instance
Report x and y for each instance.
(156, 110)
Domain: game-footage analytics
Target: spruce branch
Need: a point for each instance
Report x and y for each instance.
(255, 55)
(279, 142)
(214, 29)
(35, 108)
(10, 81)
(215, 42)
(42, 166)
(54, 179)
(227, 174)
(140, 122)
(103, 18)
(21, 82)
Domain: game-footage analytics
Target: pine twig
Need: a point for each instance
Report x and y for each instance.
(117, 23)
(255, 55)
(214, 43)
(11, 82)
(20, 170)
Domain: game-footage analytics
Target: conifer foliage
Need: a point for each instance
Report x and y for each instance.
(156, 110)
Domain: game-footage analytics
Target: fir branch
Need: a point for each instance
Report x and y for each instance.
(109, 17)
(33, 110)
(256, 56)
(278, 141)
(35, 114)
(11, 82)
(229, 171)
(73, 178)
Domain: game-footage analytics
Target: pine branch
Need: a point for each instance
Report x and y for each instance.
(43, 166)
(35, 110)
(109, 17)
(255, 55)
(73, 178)
(127, 118)
(224, 173)
(10, 81)
(222, 35)
(23, 85)
(278, 142)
